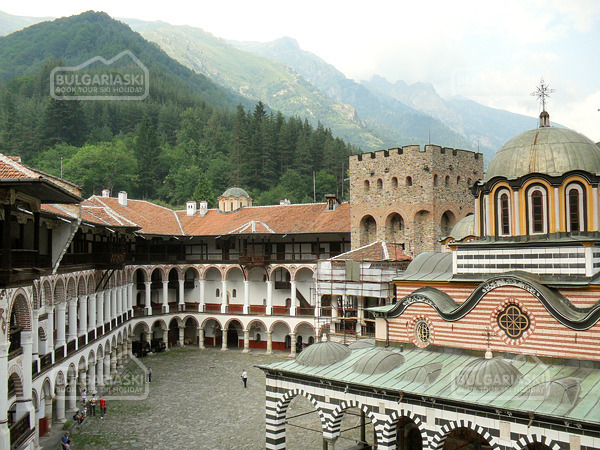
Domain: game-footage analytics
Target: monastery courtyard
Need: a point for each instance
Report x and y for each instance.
(197, 400)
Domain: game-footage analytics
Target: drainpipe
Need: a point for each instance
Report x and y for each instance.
(387, 332)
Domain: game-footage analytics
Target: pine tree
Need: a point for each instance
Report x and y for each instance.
(147, 152)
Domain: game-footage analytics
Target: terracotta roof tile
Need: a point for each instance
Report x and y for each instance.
(280, 219)
(11, 168)
(377, 251)
(56, 209)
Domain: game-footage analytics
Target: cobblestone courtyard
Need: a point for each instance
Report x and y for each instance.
(196, 400)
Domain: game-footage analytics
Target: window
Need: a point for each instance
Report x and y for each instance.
(503, 213)
(408, 181)
(538, 210)
(435, 180)
(394, 182)
(218, 293)
(379, 184)
(447, 181)
(575, 208)
(457, 180)
(366, 185)
(234, 293)
(422, 332)
(513, 321)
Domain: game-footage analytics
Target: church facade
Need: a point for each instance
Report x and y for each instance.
(492, 345)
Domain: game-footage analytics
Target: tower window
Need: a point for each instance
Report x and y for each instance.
(537, 212)
(504, 215)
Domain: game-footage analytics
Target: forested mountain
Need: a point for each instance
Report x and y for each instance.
(272, 82)
(189, 139)
(379, 111)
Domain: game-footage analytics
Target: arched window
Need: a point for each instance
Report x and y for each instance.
(575, 208)
(538, 210)
(218, 293)
(380, 184)
(408, 181)
(394, 182)
(234, 293)
(503, 213)
(447, 181)
(435, 180)
(457, 179)
(366, 185)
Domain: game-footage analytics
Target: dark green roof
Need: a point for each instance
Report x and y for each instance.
(429, 266)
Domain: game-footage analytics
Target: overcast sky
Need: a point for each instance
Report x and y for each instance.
(492, 52)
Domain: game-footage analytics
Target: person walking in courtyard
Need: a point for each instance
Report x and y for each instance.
(102, 407)
(244, 376)
(93, 402)
(149, 374)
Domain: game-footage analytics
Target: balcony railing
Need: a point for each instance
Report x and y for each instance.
(22, 258)
(20, 431)
(107, 259)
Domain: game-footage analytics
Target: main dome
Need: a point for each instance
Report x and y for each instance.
(235, 192)
(547, 150)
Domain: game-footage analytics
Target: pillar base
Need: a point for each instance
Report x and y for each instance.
(181, 307)
(246, 350)
(165, 309)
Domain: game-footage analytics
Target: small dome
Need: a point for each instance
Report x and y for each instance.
(483, 374)
(463, 228)
(323, 354)
(362, 343)
(378, 360)
(548, 150)
(235, 192)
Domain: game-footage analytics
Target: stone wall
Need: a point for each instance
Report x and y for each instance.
(411, 195)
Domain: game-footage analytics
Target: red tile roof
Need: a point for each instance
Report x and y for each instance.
(377, 251)
(280, 219)
(11, 168)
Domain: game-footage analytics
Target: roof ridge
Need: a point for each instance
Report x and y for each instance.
(115, 215)
(19, 166)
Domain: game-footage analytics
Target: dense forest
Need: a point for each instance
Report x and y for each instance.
(190, 139)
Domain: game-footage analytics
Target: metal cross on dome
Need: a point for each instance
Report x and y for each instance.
(542, 92)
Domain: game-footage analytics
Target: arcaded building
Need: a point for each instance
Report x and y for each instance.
(491, 346)
(411, 196)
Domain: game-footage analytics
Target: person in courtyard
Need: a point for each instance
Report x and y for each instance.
(93, 402)
(149, 374)
(244, 377)
(78, 417)
(102, 407)
(65, 441)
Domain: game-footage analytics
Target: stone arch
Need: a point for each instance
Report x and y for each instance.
(47, 293)
(367, 230)
(209, 269)
(440, 438)
(394, 228)
(213, 331)
(59, 292)
(140, 330)
(71, 288)
(233, 327)
(256, 321)
(81, 286)
(284, 403)
(91, 358)
(526, 441)
(158, 274)
(139, 275)
(447, 222)
(99, 352)
(91, 288)
(35, 295)
(338, 414)
(15, 384)
(20, 309)
(396, 416)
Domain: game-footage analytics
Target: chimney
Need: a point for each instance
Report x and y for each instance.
(284, 202)
(203, 208)
(191, 208)
(123, 198)
(105, 193)
(332, 201)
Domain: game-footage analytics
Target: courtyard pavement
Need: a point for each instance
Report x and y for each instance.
(196, 400)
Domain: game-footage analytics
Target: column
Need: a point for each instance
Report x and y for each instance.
(71, 395)
(72, 319)
(246, 308)
(121, 299)
(223, 340)
(294, 302)
(269, 297)
(361, 315)
(201, 338)
(269, 343)
(223, 296)
(119, 352)
(35, 345)
(60, 325)
(129, 346)
(181, 304)
(50, 335)
(130, 299)
(4, 431)
(246, 341)
(100, 373)
(148, 305)
(60, 403)
(181, 342)
(99, 309)
(107, 310)
(106, 369)
(124, 354)
(91, 379)
(293, 345)
(113, 303)
(92, 311)
(83, 315)
(113, 363)
(201, 304)
(27, 358)
(166, 338)
(165, 296)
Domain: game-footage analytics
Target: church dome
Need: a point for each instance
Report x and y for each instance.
(547, 150)
(488, 374)
(463, 228)
(323, 354)
(235, 192)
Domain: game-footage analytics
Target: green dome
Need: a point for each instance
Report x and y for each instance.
(378, 360)
(235, 192)
(488, 374)
(322, 354)
(547, 150)
(463, 228)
